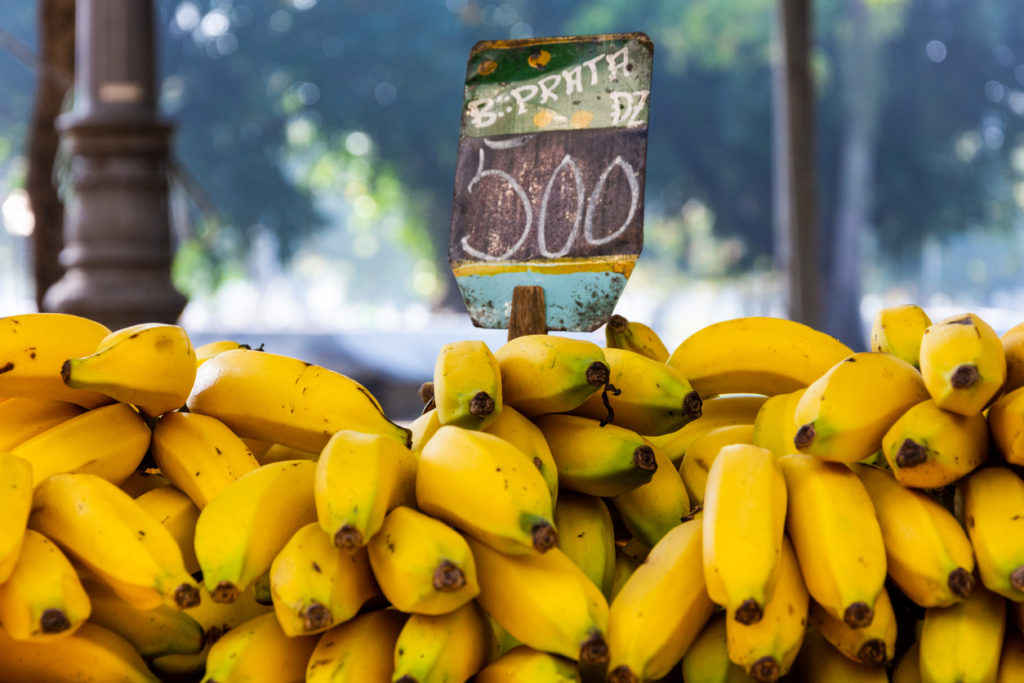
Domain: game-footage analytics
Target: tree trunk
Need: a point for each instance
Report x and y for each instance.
(54, 77)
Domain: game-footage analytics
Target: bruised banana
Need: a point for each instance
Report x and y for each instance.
(442, 647)
(542, 373)
(280, 399)
(358, 650)
(701, 455)
(483, 485)
(150, 365)
(707, 659)
(648, 397)
(717, 411)
(844, 414)
(239, 532)
(258, 651)
(520, 430)
(651, 510)
(523, 664)
(874, 644)
(755, 355)
(467, 384)
(34, 346)
(898, 330)
(23, 418)
(1005, 424)
(178, 514)
(16, 482)
(962, 363)
(992, 500)
(632, 335)
(587, 536)
(962, 643)
(775, 425)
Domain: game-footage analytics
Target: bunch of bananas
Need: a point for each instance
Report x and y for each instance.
(762, 503)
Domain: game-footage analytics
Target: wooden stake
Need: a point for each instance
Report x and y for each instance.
(529, 313)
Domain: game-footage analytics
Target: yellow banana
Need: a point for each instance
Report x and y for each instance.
(467, 384)
(844, 414)
(103, 527)
(546, 373)
(1005, 424)
(701, 455)
(520, 430)
(819, 661)
(443, 647)
(930, 447)
(143, 479)
(277, 452)
(544, 601)
(908, 668)
(707, 660)
(648, 397)
(622, 333)
(258, 651)
(744, 520)
(898, 330)
(1013, 348)
(205, 352)
(587, 536)
(316, 585)
(34, 346)
(15, 503)
(874, 644)
(660, 609)
(109, 441)
(775, 425)
(963, 363)
(625, 565)
(483, 485)
(424, 427)
(928, 554)
(767, 649)
(717, 411)
(359, 477)
(359, 650)
(23, 418)
(199, 454)
(993, 513)
(422, 565)
(1011, 662)
(962, 643)
(651, 510)
(149, 365)
(241, 530)
(523, 664)
(92, 654)
(836, 535)
(755, 355)
(176, 511)
(43, 599)
(284, 400)
(599, 460)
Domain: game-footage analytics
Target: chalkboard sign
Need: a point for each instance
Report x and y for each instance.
(549, 181)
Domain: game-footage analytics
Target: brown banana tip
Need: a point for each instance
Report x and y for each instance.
(804, 436)
(643, 458)
(622, 674)
(316, 617)
(544, 536)
(65, 371)
(186, 595)
(1017, 578)
(618, 323)
(594, 650)
(225, 592)
(53, 620)
(448, 577)
(598, 374)
(749, 612)
(481, 405)
(872, 652)
(426, 392)
(858, 615)
(766, 670)
(693, 405)
(349, 538)
(911, 454)
(961, 582)
(965, 376)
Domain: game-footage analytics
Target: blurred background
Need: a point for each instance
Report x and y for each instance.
(315, 141)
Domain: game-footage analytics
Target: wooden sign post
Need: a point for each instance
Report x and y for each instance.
(549, 182)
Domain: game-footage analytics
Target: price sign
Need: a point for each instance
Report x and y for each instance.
(549, 181)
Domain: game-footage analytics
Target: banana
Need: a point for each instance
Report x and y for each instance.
(874, 644)
(962, 643)
(143, 479)
(775, 425)
(649, 397)
(424, 427)
(622, 333)
(651, 510)
(755, 355)
(205, 352)
(544, 601)
(43, 599)
(92, 654)
(600, 460)
(102, 527)
(359, 477)
(277, 452)
(467, 384)
(743, 523)
(660, 609)
(422, 565)
(928, 554)
(357, 651)
(284, 400)
(962, 363)
(993, 513)
(766, 650)
(587, 536)
(316, 585)
(908, 668)
(239, 532)
(16, 503)
(625, 565)
(836, 535)
(23, 418)
(545, 373)
(483, 485)
(701, 455)
(176, 511)
(258, 651)
(930, 447)
(844, 414)
(199, 454)
(34, 346)
(149, 365)
(443, 647)
(520, 430)
(1011, 662)
(109, 441)
(1005, 425)
(523, 664)
(1013, 348)
(707, 660)
(820, 661)
(717, 411)
(898, 330)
